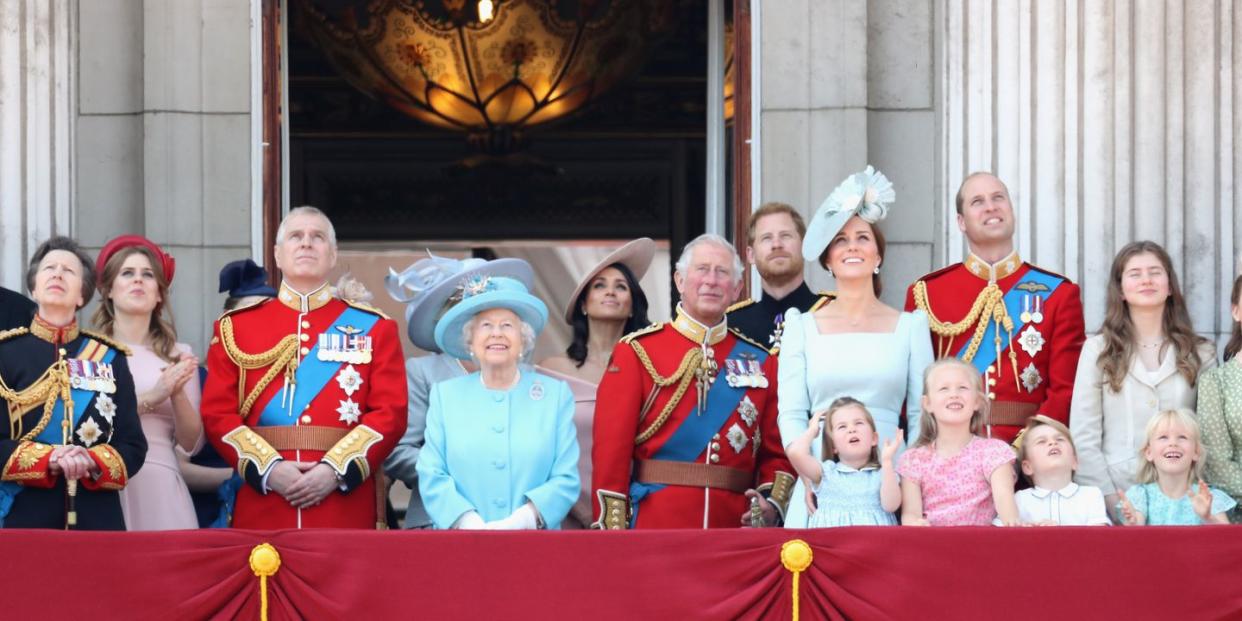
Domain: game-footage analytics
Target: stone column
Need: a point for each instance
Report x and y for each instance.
(1111, 121)
(36, 128)
(845, 83)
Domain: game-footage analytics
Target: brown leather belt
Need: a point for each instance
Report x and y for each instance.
(1012, 413)
(692, 475)
(301, 437)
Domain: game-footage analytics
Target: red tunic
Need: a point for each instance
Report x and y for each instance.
(363, 442)
(952, 291)
(627, 384)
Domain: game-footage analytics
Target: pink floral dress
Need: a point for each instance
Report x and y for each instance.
(957, 491)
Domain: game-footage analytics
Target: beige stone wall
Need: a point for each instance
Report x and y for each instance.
(163, 138)
(844, 83)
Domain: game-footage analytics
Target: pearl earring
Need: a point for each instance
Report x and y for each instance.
(877, 269)
(829, 269)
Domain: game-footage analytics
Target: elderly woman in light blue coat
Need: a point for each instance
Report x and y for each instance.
(501, 450)
(427, 288)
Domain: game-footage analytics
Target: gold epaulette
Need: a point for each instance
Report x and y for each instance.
(737, 305)
(824, 298)
(244, 307)
(363, 306)
(8, 334)
(109, 341)
(743, 337)
(651, 329)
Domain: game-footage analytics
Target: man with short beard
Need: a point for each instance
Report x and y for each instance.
(774, 247)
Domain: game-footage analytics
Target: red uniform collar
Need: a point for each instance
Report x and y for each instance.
(56, 335)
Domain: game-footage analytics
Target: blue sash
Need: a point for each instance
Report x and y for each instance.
(313, 374)
(1034, 283)
(52, 433)
(696, 430)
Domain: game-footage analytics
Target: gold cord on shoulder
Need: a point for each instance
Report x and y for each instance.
(281, 358)
(683, 373)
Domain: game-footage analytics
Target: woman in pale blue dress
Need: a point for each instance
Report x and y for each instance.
(856, 345)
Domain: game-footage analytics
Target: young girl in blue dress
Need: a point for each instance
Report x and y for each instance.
(1171, 491)
(858, 489)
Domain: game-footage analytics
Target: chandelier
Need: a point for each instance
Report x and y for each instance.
(491, 69)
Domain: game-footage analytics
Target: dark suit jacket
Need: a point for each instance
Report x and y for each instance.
(16, 310)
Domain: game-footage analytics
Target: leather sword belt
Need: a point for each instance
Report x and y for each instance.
(1012, 413)
(692, 475)
(301, 437)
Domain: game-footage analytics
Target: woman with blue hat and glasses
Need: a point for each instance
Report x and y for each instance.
(427, 288)
(856, 346)
(501, 449)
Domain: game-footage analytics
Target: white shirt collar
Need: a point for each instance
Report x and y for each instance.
(1065, 492)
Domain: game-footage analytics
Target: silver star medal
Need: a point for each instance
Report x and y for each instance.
(737, 438)
(349, 379)
(88, 432)
(1031, 378)
(106, 407)
(1031, 340)
(747, 410)
(349, 412)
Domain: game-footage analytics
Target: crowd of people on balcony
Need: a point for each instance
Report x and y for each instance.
(980, 402)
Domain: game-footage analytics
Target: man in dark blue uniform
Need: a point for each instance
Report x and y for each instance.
(774, 247)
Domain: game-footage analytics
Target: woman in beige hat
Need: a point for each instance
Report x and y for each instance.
(607, 304)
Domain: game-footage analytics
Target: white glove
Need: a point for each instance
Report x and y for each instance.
(470, 520)
(525, 518)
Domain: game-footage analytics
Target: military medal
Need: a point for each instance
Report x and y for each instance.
(88, 432)
(349, 380)
(88, 375)
(774, 339)
(746, 409)
(106, 407)
(1031, 341)
(1026, 308)
(745, 373)
(349, 411)
(349, 347)
(1031, 378)
(737, 438)
(1038, 315)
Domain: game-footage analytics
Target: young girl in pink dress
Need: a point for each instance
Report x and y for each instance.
(952, 476)
(134, 275)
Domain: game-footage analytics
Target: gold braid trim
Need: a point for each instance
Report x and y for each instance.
(683, 373)
(52, 385)
(987, 307)
(282, 357)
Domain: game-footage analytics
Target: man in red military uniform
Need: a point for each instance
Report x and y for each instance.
(305, 394)
(685, 419)
(1021, 326)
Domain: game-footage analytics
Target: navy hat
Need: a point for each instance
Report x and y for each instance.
(245, 278)
(427, 286)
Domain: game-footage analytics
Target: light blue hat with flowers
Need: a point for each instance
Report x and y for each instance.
(483, 292)
(427, 288)
(864, 194)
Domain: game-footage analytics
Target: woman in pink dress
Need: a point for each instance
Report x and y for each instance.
(134, 275)
(607, 304)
